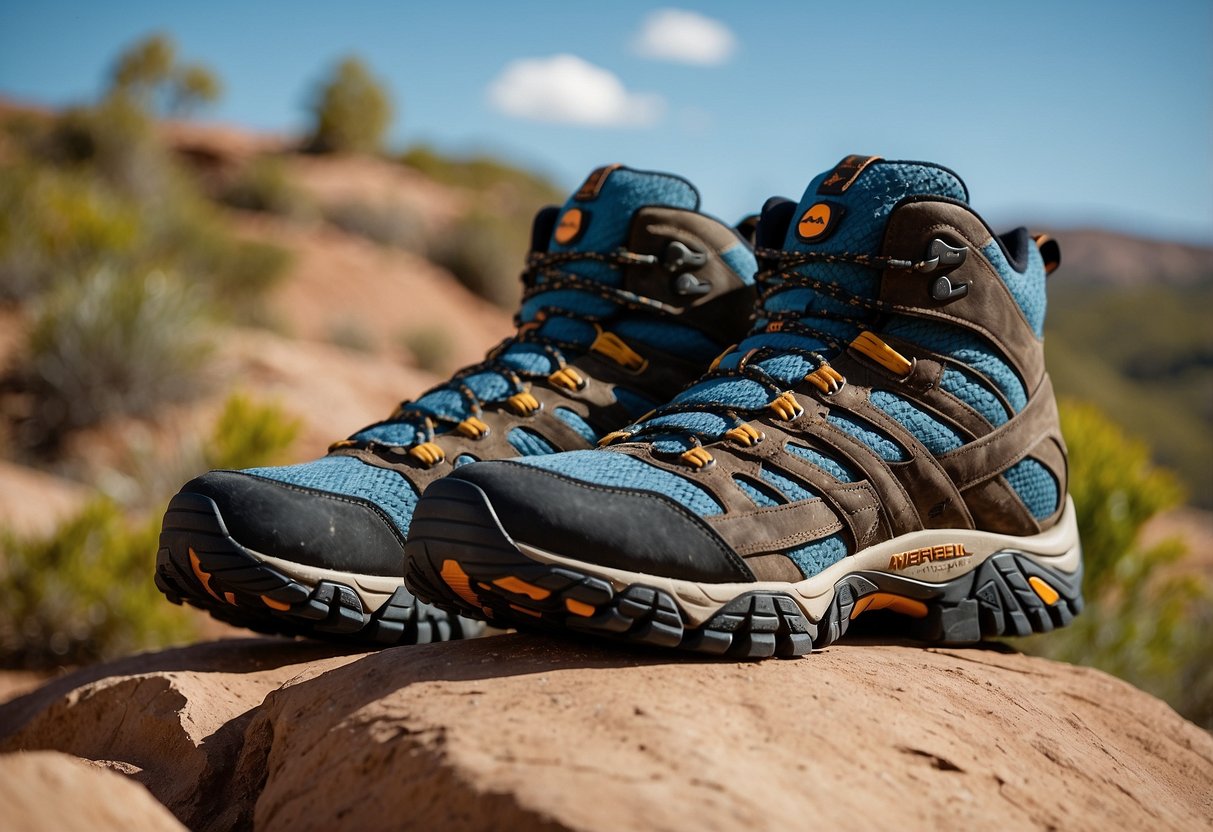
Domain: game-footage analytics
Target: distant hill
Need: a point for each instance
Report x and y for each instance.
(1107, 258)
(1128, 329)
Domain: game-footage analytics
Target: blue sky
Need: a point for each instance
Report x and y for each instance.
(1071, 113)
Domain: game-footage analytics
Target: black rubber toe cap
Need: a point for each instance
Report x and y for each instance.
(639, 531)
(302, 525)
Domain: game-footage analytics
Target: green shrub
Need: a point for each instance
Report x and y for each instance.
(111, 343)
(484, 254)
(250, 434)
(352, 111)
(58, 222)
(84, 593)
(388, 224)
(484, 173)
(1146, 620)
(485, 250)
(430, 347)
(1152, 372)
(122, 282)
(263, 185)
(230, 273)
(351, 334)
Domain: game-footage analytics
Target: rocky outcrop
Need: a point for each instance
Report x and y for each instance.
(45, 791)
(517, 731)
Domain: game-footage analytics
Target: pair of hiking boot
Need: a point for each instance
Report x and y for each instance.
(730, 440)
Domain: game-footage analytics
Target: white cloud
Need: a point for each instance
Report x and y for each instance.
(684, 37)
(565, 88)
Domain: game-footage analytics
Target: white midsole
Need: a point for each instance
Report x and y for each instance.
(373, 590)
(1058, 548)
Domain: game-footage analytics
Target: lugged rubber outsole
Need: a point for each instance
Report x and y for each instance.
(201, 564)
(460, 559)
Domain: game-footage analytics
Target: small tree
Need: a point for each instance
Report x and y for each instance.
(352, 111)
(149, 74)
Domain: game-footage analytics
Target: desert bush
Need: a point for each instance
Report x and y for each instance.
(263, 185)
(122, 279)
(84, 593)
(482, 173)
(111, 343)
(483, 253)
(231, 274)
(1143, 620)
(65, 215)
(386, 223)
(351, 334)
(352, 111)
(115, 141)
(249, 434)
(56, 222)
(486, 248)
(430, 347)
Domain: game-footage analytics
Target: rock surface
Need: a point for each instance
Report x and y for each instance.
(45, 791)
(517, 731)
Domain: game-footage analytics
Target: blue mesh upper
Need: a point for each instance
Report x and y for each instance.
(605, 467)
(353, 478)
(935, 436)
(885, 448)
(1035, 485)
(761, 495)
(578, 424)
(1028, 288)
(814, 557)
(791, 489)
(967, 388)
(831, 466)
(966, 348)
(528, 443)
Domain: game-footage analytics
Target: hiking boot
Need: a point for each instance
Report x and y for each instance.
(886, 438)
(629, 292)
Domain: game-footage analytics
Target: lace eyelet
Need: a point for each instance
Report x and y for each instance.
(473, 428)
(524, 403)
(745, 435)
(428, 454)
(699, 458)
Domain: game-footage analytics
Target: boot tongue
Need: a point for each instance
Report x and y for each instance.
(844, 210)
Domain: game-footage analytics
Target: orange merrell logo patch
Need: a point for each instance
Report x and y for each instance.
(570, 226)
(815, 221)
(928, 554)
